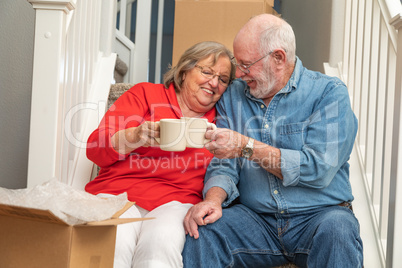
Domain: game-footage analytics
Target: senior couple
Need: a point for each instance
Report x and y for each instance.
(277, 187)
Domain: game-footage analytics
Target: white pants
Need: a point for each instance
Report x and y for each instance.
(155, 243)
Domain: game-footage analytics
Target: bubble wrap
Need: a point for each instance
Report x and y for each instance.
(70, 205)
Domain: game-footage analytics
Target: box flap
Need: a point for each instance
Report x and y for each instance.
(116, 221)
(121, 211)
(30, 214)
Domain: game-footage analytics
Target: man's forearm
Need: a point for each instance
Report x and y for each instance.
(216, 195)
(267, 157)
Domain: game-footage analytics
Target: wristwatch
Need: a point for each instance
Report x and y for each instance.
(247, 151)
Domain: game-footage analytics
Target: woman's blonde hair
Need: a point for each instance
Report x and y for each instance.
(192, 56)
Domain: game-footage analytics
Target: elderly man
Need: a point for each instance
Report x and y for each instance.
(281, 168)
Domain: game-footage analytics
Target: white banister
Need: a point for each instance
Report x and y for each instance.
(47, 90)
(61, 5)
(159, 36)
(125, 50)
(108, 26)
(123, 13)
(395, 10)
(142, 37)
(72, 73)
(372, 70)
(394, 243)
(135, 52)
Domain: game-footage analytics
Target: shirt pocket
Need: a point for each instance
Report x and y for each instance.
(293, 135)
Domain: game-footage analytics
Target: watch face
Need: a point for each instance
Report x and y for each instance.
(247, 152)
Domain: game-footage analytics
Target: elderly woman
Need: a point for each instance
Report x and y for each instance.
(162, 184)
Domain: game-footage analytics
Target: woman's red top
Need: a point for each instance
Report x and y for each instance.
(151, 177)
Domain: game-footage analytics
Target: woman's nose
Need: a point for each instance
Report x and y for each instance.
(214, 81)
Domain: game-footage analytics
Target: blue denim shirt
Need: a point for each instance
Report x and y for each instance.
(311, 121)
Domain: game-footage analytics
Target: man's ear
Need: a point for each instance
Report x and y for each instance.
(279, 56)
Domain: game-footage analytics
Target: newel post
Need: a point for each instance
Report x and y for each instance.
(46, 126)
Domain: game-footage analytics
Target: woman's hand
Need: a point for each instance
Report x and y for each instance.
(146, 133)
(127, 140)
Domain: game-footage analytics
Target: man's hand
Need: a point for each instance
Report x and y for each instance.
(205, 212)
(201, 214)
(225, 143)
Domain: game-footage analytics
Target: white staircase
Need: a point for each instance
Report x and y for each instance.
(74, 58)
(372, 69)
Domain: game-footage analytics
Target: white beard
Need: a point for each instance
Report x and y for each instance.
(266, 81)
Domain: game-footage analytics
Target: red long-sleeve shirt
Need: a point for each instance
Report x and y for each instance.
(151, 177)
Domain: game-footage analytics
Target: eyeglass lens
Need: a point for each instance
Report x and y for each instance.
(210, 74)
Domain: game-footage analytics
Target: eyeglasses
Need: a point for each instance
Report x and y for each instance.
(245, 69)
(207, 72)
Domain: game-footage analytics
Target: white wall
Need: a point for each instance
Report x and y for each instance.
(16, 39)
(311, 22)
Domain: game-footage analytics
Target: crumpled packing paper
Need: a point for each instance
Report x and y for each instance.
(67, 203)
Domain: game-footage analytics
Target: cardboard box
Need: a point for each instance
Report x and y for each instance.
(212, 20)
(38, 239)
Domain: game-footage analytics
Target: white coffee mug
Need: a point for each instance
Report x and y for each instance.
(172, 135)
(195, 131)
(177, 134)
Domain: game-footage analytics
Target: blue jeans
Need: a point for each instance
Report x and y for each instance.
(321, 238)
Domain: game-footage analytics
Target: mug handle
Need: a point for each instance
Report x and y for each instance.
(210, 125)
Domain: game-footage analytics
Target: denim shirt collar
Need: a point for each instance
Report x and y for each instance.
(291, 84)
